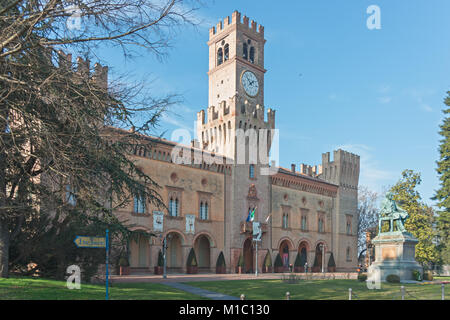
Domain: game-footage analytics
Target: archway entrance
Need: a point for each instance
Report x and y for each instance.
(284, 253)
(248, 256)
(318, 260)
(202, 249)
(139, 252)
(174, 253)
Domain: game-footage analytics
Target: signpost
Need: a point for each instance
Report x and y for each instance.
(96, 242)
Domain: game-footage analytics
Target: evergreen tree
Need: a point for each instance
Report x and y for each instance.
(420, 220)
(443, 194)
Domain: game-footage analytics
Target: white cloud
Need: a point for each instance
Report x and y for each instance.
(427, 108)
(385, 100)
(372, 175)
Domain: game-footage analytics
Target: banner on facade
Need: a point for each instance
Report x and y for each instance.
(256, 231)
(158, 219)
(190, 223)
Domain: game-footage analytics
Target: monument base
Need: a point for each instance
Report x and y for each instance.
(394, 254)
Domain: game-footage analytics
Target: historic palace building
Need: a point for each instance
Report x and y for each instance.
(304, 210)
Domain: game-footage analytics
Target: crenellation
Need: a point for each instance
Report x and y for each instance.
(212, 32)
(226, 22)
(219, 26)
(236, 17)
(222, 26)
(245, 21)
(100, 75)
(64, 60)
(201, 116)
(83, 67)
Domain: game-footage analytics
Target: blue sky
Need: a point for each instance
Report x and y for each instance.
(334, 82)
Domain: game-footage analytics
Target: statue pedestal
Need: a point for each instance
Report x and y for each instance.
(394, 254)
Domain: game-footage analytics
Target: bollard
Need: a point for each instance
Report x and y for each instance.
(242, 296)
(288, 296)
(442, 292)
(402, 288)
(349, 293)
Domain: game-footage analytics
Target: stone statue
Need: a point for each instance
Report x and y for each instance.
(391, 212)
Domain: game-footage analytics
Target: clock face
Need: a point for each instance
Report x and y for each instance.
(250, 83)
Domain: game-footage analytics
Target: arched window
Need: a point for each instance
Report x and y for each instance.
(173, 207)
(321, 227)
(245, 51)
(219, 56)
(139, 204)
(252, 54)
(226, 52)
(252, 171)
(204, 210)
(304, 225)
(285, 221)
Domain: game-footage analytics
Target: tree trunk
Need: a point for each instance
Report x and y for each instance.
(4, 250)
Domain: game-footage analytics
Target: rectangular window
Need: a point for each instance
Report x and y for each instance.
(204, 208)
(174, 207)
(349, 224)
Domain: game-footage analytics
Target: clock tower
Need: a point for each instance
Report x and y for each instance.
(236, 85)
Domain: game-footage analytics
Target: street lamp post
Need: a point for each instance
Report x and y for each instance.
(165, 255)
(322, 247)
(256, 257)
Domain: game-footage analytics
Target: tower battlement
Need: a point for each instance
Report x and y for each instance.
(82, 67)
(231, 108)
(343, 170)
(235, 20)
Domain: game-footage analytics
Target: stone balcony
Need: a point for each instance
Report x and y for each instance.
(247, 227)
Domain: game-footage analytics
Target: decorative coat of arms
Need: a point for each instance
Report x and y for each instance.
(190, 223)
(252, 192)
(158, 219)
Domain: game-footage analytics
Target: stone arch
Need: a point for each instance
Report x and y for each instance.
(248, 253)
(319, 256)
(208, 235)
(177, 231)
(285, 246)
(175, 259)
(290, 242)
(202, 248)
(306, 242)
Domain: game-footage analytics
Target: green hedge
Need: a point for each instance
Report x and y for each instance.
(192, 259)
(362, 277)
(278, 261)
(268, 260)
(160, 259)
(393, 278)
(220, 260)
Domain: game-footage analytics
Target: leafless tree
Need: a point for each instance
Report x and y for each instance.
(368, 215)
(55, 115)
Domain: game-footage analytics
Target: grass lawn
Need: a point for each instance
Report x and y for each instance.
(441, 278)
(41, 289)
(320, 290)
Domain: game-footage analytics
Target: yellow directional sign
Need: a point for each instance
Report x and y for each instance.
(90, 242)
